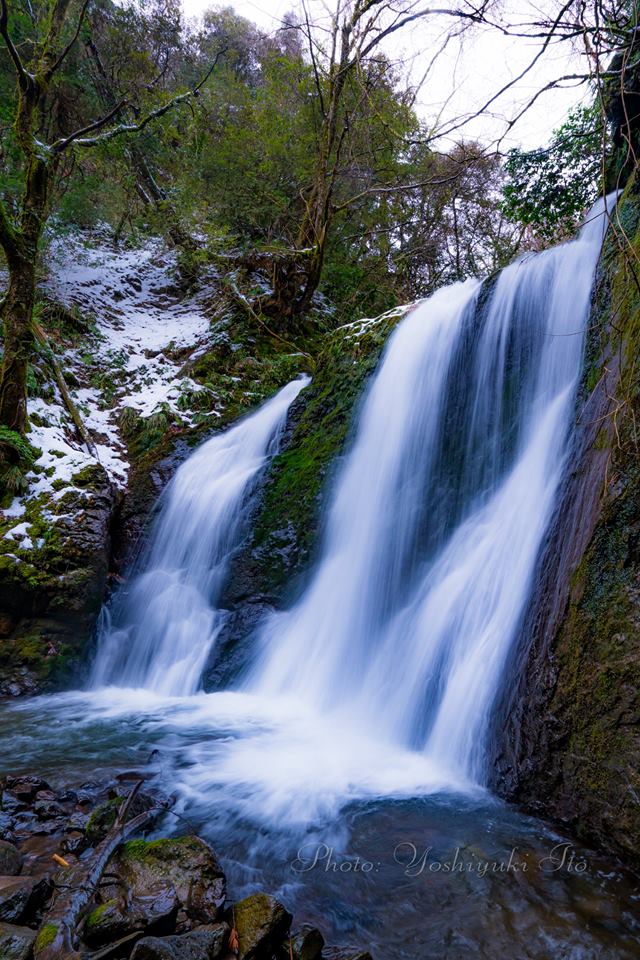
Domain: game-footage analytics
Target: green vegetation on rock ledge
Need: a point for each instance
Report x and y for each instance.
(581, 741)
(285, 527)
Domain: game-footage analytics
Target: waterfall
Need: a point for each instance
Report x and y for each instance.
(161, 628)
(382, 678)
(439, 512)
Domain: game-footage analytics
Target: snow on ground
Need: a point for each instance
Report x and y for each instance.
(140, 322)
(141, 335)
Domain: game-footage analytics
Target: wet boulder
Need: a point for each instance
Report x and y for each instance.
(112, 921)
(262, 924)
(16, 943)
(205, 943)
(158, 877)
(25, 788)
(10, 860)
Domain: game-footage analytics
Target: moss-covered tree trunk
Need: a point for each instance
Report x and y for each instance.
(18, 342)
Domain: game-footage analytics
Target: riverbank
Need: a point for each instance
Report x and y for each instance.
(157, 899)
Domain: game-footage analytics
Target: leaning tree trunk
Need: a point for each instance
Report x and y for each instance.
(18, 338)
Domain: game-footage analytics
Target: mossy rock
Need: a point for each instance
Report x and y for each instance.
(185, 867)
(102, 819)
(51, 592)
(285, 528)
(262, 924)
(107, 923)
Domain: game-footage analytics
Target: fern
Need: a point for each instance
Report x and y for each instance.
(14, 447)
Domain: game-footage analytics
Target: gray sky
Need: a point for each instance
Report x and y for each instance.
(466, 76)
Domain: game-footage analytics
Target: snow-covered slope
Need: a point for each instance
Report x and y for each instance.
(141, 335)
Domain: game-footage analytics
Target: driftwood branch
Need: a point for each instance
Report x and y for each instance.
(56, 936)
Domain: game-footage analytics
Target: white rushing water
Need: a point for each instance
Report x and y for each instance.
(440, 510)
(160, 633)
(382, 678)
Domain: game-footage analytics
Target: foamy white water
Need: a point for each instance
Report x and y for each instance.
(162, 626)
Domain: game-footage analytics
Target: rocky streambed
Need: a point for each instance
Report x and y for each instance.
(158, 899)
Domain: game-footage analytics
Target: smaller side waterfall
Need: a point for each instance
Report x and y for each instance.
(159, 631)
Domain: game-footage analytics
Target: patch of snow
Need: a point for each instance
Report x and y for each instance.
(16, 508)
(359, 327)
(21, 534)
(141, 337)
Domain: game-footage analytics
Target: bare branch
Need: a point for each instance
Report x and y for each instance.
(399, 188)
(79, 137)
(60, 145)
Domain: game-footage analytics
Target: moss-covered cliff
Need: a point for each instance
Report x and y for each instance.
(573, 744)
(285, 526)
(54, 560)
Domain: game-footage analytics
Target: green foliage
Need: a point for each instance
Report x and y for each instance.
(13, 446)
(549, 190)
(16, 458)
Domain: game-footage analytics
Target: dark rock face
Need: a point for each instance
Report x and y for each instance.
(50, 594)
(262, 923)
(571, 747)
(21, 897)
(10, 860)
(307, 943)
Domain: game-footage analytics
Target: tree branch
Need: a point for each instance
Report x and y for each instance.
(60, 145)
(400, 188)
(24, 77)
(80, 139)
(67, 50)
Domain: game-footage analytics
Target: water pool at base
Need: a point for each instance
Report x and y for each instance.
(444, 874)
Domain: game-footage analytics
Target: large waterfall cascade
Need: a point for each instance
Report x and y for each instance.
(395, 652)
(440, 510)
(164, 623)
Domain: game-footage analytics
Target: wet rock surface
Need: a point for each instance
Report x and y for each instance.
(307, 943)
(51, 593)
(569, 747)
(177, 883)
(206, 943)
(16, 943)
(10, 859)
(262, 923)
